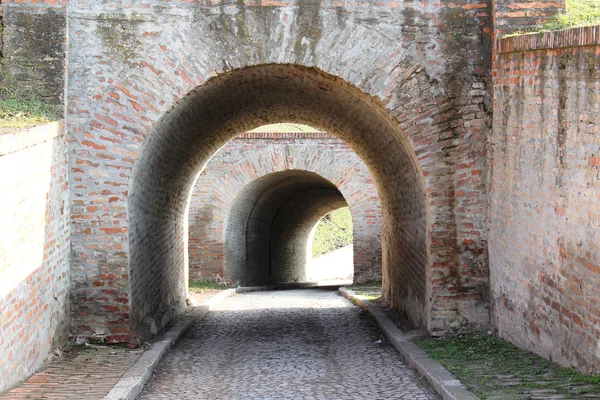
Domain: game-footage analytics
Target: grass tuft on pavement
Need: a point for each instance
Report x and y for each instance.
(198, 286)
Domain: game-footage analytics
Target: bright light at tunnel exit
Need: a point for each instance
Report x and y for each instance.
(330, 248)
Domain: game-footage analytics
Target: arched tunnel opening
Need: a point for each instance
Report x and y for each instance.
(268, 231)
(183, 141)
(331, 252)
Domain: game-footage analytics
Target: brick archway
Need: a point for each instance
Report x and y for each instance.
(183, 141)
(424, 148)
(252, 156)
(267, 231)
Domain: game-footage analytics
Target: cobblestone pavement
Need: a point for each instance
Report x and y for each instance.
(300, 344)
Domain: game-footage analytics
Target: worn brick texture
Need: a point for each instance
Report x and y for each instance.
(33, 52)
(34, 249)
(545, 195)
(512, 16)
(253, 155)
(403, 83)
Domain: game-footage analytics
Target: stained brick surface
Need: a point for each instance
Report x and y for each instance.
(34, 249)
(33, 46)
(254, 155)
(422, 65)
(545, 195)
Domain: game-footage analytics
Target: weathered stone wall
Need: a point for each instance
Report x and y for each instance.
(253, 155)
(34, 44)
(34, 249)
(403, 83)
(545, 195)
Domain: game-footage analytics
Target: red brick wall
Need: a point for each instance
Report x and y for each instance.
(34, 249)
(253, 155)
(544, 240)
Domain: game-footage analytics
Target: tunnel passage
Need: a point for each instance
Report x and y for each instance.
(253, 155)
(207, 118)
(268, 230)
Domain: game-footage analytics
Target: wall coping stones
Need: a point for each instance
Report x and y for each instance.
(575, 37)
(28, 137)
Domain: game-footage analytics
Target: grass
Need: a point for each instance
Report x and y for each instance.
(198, 286)
(333, 232)
(19, 113)
(492, 367)
(367, 291)
(19, 109)
(578, 13)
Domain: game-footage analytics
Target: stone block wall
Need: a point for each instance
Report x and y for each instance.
(34, 42)
(34, 249)
(256, 154)
(544, 214)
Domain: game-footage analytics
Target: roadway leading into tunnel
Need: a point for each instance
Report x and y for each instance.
(296, 344)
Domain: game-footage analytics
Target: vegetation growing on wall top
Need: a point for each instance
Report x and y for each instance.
(19, 110)
(578, 13)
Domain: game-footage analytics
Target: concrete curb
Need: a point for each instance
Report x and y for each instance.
(439, 377)
(133, 381)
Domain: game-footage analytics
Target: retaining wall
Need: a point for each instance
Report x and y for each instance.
(34, 249)
(544, 240)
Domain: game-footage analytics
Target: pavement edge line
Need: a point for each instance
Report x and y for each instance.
(439, 377)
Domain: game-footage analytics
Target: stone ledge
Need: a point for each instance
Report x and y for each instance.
(439, 377)
(575, 37)
(28, 137)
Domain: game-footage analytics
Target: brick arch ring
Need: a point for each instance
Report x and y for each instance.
(189, 134)
(228, 192)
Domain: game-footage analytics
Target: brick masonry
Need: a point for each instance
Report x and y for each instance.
(34, 249)
(156, 88)
(415, 73)
(33, 46)
(254, 155)
(545, 195)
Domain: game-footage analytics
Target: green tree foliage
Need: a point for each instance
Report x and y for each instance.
(334, 231)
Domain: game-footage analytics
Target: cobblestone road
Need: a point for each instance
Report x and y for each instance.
(300, 344)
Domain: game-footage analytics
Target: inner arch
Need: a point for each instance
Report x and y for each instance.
(268, 230)
(240, 100)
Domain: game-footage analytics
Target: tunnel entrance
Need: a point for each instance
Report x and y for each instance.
(331, 243)
(188, 135)
(268, 231)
